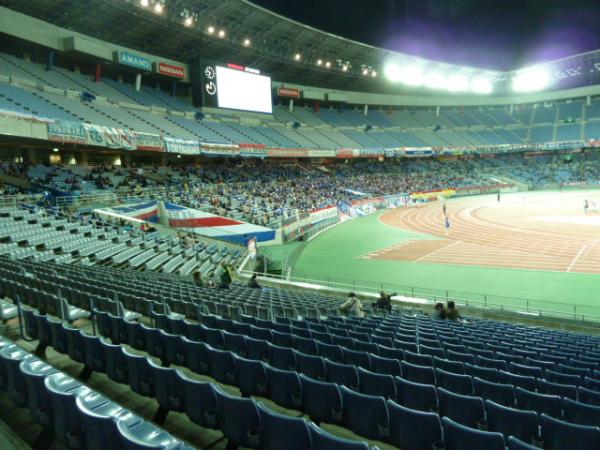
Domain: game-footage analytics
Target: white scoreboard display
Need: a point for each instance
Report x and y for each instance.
(236, 87)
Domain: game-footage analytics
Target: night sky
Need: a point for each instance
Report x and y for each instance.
(501, 34)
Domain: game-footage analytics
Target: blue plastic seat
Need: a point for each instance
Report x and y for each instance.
(588, 396)
(528, 371)
(34, 373)
(322, 440)
(371, 383)
(563, 378)
(462, 357)
(257, 349)
(200, 402)
(414, 430)
(422, 397)
(449, 366)
(435, 352)
(311, 366)
(284, 387)
(342, 374)
(95, 355)
(155, 342)
(571, 370)
(332, 352)
(503, 394)
(66, 422)
(540, 403)
(58, 339)
(282, 357)
(251, 376)
(560, 435)
(75, 348)
(322, 401)
(522, 381)
(460, 384)
(116, 366)
(99, 417)
(512, 422)
(460, 437)
(517, 444)
(492, 363)
(392, 353)
(222, 365)
(581, 413)
(562, 390)
(464, 409)
(174, 350)
(196, 355)
(136, 336)
(418, 374)
(279, 431)
(11, 379)
(239, 419)
(366, 415)
(139, 374)
(261, 333)
(283, 339)
(387, 366)
(485, 373)
(418, 359)
(305, 345)
(591, 383)
(138, 434)
(357, 358)
(168, 387)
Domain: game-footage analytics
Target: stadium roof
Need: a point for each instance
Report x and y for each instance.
(242, 32)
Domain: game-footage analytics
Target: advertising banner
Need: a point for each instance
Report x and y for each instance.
(347, 153)
(220, 149)
(133, 60)
(287, 153)
(182, 146)
(289, 92)
(252, 152)
(170, 70)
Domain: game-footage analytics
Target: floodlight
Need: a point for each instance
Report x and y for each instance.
(413, 76)
(247, 42)
(55, 149)
(344, 68)
(392, 72)
(457, 83)
(534, 79)
(221, 33)
(211, 29)
(328, 64)
(297, 56)
(373, 74)
(481, 85)
(435, 80)
(158, 8)
(144, 3)
(319, 62)
(188, 21)
(365, 71)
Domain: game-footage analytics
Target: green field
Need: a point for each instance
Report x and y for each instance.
(333, 256)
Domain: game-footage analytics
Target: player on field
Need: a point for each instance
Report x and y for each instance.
(447, 225)
(586, 205)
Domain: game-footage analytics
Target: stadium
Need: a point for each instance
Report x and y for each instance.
(243, 224)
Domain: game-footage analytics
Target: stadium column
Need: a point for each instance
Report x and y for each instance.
(291, 105)
(174, 88)
(50, 62)
(98, 73)
(138, 81)
(366, 111)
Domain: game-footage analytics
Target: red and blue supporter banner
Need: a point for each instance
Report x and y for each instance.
(147, 211)
(317, 215)
(214, 226)
(148, 142)
(253, 150)
(220, 149)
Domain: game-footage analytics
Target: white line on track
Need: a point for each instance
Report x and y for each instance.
(436, 251)
(579, 253)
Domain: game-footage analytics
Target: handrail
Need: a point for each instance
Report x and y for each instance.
(468, 299)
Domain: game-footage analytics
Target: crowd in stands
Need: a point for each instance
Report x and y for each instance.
(265, 192)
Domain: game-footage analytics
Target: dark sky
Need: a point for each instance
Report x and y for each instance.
(501, 34)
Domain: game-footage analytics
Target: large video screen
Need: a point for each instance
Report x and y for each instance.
(239, 89)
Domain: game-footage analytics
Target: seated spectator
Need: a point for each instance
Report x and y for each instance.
(353, 306)
(438, 311)
(253, 283)
(452, 312)
(384, 303)
(225, 277)
(198, 278)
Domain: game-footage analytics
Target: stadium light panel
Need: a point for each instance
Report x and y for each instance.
(413, 76)
(297, 57)
(481, 85)
(365, 71)
(435, 80)
(221, 33)
(247, 42)
(529, 80)
(392, 72)
(328, 64)
(158, 8)
(457, 83)
(319, 62)
(211, 29)
(344, 68)
(55, 149)
(374, 74)
(144, 3)
(188, 21)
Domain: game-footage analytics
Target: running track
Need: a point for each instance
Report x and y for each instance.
(481, 235)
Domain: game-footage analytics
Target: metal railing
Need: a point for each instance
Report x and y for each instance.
(520, 305)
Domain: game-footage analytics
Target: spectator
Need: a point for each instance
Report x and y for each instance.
(253, 283)
(452, 312)
(384, 303)
(438, 311)
(225, 277)
(198, 278)
(353, 306)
